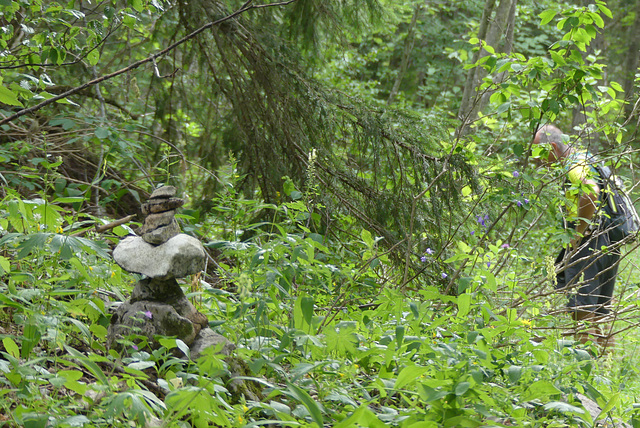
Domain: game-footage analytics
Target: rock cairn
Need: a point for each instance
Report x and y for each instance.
(160, 223)
(158, 305)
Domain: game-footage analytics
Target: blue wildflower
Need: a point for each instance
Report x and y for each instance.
(516, 174)
(423, 259)
(429, 251)
(444, 275)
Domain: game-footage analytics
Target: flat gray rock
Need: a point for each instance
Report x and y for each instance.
(154, 221)
(161, 234)
(163, 192)
(161, 205)
(180, 256)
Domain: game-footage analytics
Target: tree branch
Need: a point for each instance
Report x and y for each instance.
(64, 64)
(247, 6)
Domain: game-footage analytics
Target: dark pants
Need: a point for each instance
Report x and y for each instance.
(598, 269)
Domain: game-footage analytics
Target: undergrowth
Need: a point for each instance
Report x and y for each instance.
(330, 335)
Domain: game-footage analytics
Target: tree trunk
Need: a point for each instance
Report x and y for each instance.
(591, 140)
(492, 31)
(406, 54)
(470, 84)
(631, 63)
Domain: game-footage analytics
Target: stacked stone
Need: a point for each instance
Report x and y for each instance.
(162, 254)
(160, 224)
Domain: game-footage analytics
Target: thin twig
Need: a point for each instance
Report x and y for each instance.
(413, 213)
(108, 226)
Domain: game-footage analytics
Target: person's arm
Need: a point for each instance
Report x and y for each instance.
(587, 206)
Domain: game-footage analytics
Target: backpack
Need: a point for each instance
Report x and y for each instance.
(619, 217)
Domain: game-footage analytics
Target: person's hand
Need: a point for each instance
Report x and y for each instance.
(577, 238)
(575, 242)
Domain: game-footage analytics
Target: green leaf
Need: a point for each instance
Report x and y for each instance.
(69, 245)
(547, 16)
(399, 335)
(31, 338)
(71, 380)
(183, 347)
(90, 365)
(613, 401)
(73, 421)
(557, 58)
(137, 5)
(141, 365)
(563, 407)
(49, 215)
(540, 389)
(93, 57)
(31, 242)
(69, 200)
(462, 388)
(362, 416)
(9, 97)
(67, 101)
(409, 374)
(464, 304)
(314, 408)
(503, 107)
(65, 123)
(306, 305)
(464, 283)
(341, 339)
(167, 342)
(605, 10)
(616, 86)
(102, 133)
(429, 394)
(5, 265)
(367, 238)
(35, 420)
(298, 316)
(99, 331)
(514, 373)
(11, 347)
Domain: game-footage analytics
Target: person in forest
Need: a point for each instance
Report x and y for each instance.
(583, 262)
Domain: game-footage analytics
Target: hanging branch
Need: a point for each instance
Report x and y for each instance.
(245, 7)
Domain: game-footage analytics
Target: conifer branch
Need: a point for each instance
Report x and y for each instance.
(246, 7)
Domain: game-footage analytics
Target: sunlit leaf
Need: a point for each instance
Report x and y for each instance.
(9, 97)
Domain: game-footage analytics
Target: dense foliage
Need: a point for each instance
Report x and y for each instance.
(380, 250)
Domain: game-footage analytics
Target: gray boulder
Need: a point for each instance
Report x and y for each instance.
(149, 319)
(156, 307)
(207, 338)
(179, 257)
